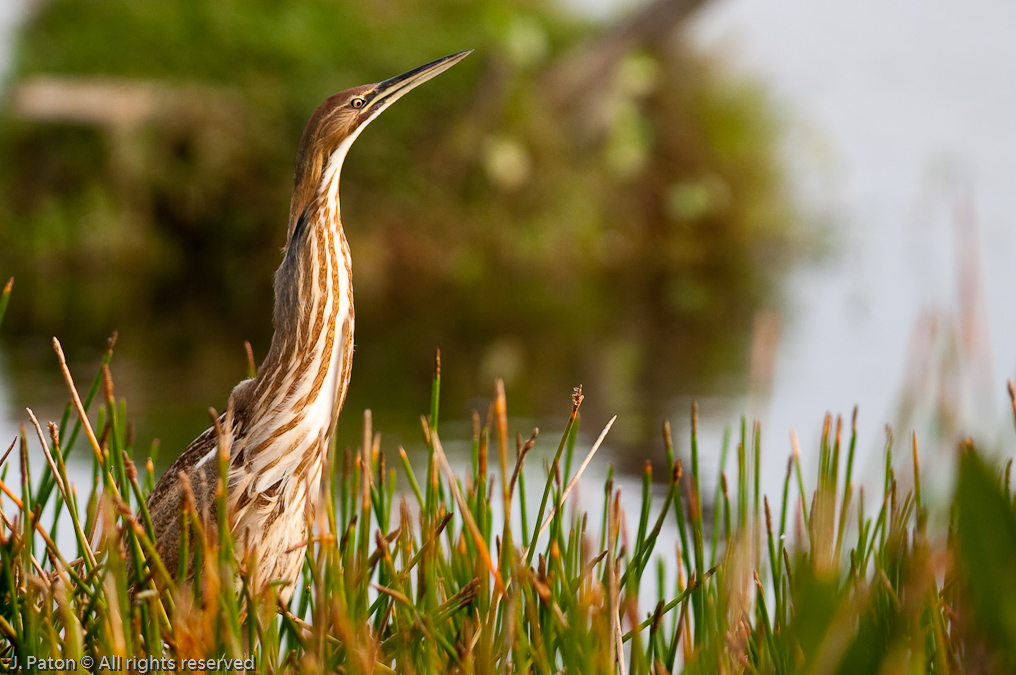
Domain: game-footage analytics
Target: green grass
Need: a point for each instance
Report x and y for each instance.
(424, 579)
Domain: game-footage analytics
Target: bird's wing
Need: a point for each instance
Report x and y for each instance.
(167, 499)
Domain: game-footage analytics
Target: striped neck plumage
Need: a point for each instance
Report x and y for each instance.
(308, 364)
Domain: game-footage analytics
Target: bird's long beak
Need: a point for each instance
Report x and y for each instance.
(387, 92)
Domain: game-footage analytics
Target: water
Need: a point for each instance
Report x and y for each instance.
(10, 14)
(902, 118)
(899, 116)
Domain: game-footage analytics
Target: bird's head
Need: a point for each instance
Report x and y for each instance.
(340, 119)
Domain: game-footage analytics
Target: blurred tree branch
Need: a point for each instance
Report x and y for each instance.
(578, 80)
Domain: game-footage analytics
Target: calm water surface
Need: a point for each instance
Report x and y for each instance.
(901, 137)
(903, 134)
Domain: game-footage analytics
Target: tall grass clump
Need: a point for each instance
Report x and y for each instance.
(411, 571)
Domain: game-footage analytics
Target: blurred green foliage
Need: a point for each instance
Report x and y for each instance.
(986, 527)
(618, 227)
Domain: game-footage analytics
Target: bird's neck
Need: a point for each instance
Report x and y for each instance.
(287, 414)
(308, 364)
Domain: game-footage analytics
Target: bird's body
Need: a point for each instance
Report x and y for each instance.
(282, 420)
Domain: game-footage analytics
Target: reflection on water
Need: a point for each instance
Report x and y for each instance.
(879, 105)
(624, 233)
(170, 402)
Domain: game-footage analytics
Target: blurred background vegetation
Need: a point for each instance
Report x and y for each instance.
(577, 202)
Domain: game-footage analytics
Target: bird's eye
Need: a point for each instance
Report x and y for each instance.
(358, 102)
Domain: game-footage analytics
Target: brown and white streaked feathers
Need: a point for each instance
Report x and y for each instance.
(283, 419)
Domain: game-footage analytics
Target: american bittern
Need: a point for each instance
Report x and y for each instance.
(282, 420)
